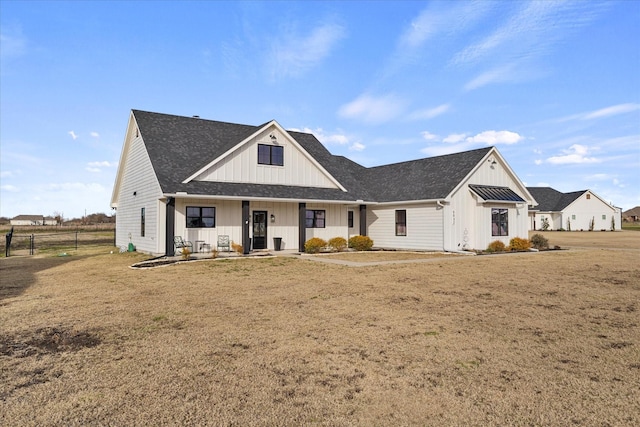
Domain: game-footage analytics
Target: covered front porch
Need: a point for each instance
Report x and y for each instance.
(258, 224)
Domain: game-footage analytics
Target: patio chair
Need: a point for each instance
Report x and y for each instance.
(223, 242)
(180, 243)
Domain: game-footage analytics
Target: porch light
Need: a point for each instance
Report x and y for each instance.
(273, 218)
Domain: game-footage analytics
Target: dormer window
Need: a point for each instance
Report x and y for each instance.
(270, 155)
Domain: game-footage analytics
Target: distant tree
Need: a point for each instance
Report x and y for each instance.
(59, 217)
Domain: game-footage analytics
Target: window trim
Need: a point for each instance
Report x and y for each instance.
(401, 223)
(499, 226)
(200, 217)
(315, 219)
(272, 157)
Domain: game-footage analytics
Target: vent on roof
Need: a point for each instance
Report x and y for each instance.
(196, 117)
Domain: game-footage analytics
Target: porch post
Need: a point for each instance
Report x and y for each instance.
(170, 226)
(302, 226)
(246, 222)
(363, 220)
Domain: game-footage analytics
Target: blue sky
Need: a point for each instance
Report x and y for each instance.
(554, 85)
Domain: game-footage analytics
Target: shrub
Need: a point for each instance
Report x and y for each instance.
(496, 246)
(538, 241)
(314, 245)
(338, 244)
(519, 244)
(361, 243)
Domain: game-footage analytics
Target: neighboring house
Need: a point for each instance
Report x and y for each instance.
(49, 220)
(198, 179)
(632, 215)
(573, 211)
(28, 220)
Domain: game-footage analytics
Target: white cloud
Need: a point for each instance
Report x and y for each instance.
(12, 42)
(96, 167)
(429, 136)
(538, 162)
(500, 74)
(356, 146)
(522, 33)
(442, 19)
(492, 137)
(373, 109)
(10, 188)
(95, 134)
(457, 142)
(454, 138)
(576, 154)
(333, 138)
(73, 135)
(75, 186)
(429, 113)
(611, 111)
(292, 55)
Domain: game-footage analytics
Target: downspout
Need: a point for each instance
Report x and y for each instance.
(441, 205)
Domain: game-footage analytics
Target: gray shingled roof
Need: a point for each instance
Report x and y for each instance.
(180, 146)
(424, 179)
(551, 200)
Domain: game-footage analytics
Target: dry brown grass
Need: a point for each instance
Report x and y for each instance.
(548, 338)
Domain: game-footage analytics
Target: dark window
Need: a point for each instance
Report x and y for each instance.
(401, 223)
(350, 218)
(270, 155)
(142, 222)
(201, 217)
(499, 222)
(315, 219)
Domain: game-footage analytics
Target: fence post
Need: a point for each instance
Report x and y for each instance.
(76, 240)
(31, 244)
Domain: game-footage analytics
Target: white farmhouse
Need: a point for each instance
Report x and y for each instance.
(200, 179)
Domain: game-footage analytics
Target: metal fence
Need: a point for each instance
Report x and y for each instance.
(30, 244)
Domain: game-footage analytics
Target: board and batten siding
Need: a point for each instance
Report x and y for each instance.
(285, 224)
(468, 218)
(424, 227)
(139, 178)
(585, 209)
(228, 221)
(242, 166)
(336, 224)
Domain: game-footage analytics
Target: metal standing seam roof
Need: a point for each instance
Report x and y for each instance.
(496, 194)
(179, 146)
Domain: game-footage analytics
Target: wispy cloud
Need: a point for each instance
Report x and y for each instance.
(576, 154)
(12, 42)
(97, 167)
(293, 54)
(337, 138)
(430, 113)
(614, 110)
(457, 142)
(534, 30)
(373, 110)
(95, 134)
(73, 135)
(10, 188)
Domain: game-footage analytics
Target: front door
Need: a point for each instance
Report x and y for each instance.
(259, 229)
